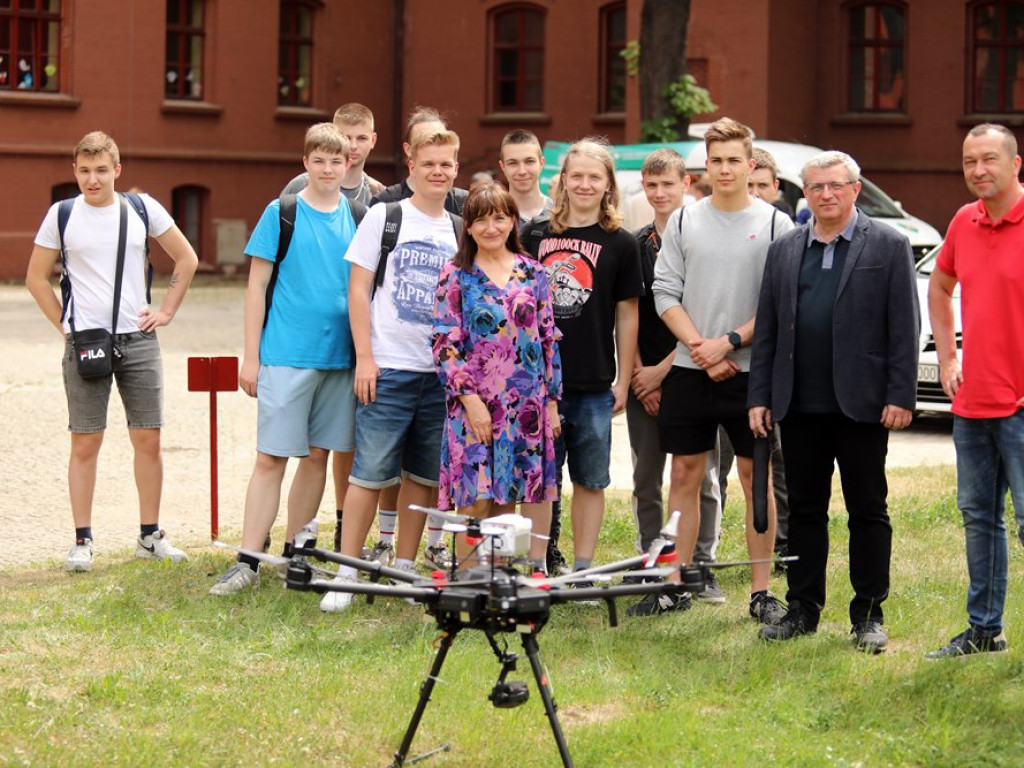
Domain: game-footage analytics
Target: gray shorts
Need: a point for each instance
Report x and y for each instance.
(139, 372)
(303, 407)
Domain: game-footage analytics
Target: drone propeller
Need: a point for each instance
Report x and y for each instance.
(648, 573)
(263, 557)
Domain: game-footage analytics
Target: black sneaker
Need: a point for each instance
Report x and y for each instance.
(869, 636)
(658, 603)
(793, 624)
(969, 642)
(557, 565)
(767, 608)
(712, 592)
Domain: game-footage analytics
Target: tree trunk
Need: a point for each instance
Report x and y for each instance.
(663, 26)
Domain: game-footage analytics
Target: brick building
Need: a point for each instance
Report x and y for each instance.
(209, 99)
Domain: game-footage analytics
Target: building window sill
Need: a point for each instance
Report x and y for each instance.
(896, 119)
(609, 118)
(516, 118)
(304, 114)
(49, 100)
(1009, 119)
(186, 107)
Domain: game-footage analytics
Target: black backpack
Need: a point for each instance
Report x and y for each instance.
(533, 232)
(64, 214)
(288, 205)
(389, 239)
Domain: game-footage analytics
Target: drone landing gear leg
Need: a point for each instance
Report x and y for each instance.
(447, 639)
(533, 654)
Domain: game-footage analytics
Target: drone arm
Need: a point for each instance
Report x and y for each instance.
(419, 594)
(361, 565)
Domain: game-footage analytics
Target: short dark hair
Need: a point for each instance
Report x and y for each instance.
(764, 159)
(492, 198)
(518, 136)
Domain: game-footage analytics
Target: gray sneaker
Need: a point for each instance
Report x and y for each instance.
(79, 558)
(968, 643)
(767, 608)
(869, 636)
(712, 592)
(383, 552)
(438, 556)
(237, 578)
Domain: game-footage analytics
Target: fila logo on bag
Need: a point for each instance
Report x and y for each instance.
(91, 354)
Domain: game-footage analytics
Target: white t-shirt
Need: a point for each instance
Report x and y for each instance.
(402, 310)
(91, 240)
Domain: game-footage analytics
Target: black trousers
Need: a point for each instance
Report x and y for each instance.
(812, 445)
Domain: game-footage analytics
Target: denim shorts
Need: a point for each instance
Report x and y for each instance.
(303, 407)
(139, 373)
(400, 432)
(586, 437)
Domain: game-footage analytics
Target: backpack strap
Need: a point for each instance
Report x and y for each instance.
(771, 237)
(140, 208)
(457, 226)
(63, 214)
(358, 211)
(533, 232)
(286, 218)
(388, 241)
(682, 212)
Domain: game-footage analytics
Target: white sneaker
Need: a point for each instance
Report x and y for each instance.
(336, 602)
(157, 547)
(238, 577)
(79, 557)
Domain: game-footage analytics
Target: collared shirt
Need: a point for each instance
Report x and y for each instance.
(830, 245)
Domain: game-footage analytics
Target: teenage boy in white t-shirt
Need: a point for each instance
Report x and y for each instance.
(401, 410)
(91, 240)
(299, 363)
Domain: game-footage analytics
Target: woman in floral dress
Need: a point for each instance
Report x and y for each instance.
(496, 353)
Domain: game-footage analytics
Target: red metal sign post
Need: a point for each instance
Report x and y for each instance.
(213, 375)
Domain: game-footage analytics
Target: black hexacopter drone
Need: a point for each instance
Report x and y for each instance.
(495, 598)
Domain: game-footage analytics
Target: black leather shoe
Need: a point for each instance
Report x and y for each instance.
(793, 624)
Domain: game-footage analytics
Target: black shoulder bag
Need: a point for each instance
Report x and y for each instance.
(94, 347)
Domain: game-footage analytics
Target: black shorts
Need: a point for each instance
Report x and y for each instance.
(692, 408)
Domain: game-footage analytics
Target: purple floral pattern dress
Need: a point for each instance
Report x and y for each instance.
(498, 343)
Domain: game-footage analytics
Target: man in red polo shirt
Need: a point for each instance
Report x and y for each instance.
(983, 252)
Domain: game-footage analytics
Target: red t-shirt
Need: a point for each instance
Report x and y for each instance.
(988, 261)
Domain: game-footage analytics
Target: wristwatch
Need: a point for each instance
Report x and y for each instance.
(735, 339)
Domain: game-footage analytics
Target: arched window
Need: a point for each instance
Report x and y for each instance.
(995, 42)
(30, 45)
(877, 40)
(295, 53)
(186, 33)
(188, 207)
(517, 59)
(613, 66)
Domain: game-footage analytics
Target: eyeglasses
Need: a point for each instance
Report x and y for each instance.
(835, 186)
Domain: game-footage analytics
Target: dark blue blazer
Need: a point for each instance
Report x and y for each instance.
(876, 324)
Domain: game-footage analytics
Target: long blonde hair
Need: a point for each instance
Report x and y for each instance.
(610, 219)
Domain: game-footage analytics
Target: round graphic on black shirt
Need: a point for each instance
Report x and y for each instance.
(572, 281)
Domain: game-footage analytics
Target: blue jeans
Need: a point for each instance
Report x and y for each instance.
(989, 459)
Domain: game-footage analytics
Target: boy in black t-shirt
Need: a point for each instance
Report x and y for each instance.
(594, 269)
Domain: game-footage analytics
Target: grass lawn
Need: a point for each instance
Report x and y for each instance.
(133, 664)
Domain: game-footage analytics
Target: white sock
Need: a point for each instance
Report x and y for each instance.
(402, 564)
(435, 530)
(387, 526)
(346, 572)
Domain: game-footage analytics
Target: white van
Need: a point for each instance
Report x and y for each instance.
(790, 159)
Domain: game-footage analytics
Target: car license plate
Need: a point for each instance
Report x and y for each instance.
(927, 372)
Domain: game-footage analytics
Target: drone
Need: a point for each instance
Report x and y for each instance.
(495, 597)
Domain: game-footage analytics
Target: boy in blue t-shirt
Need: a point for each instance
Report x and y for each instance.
(299, 366)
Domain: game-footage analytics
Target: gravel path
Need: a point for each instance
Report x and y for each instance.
(35, 520)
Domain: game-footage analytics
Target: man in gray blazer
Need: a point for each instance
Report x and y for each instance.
(835, 359)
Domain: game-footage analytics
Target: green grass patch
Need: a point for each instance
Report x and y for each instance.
(133, 664)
